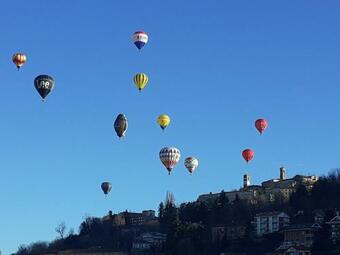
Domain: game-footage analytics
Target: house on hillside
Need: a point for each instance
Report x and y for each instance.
(148, 241)
(335, 228)
(232, 232)
(270, 222)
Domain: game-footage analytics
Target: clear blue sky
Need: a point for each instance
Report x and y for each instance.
(214, 66)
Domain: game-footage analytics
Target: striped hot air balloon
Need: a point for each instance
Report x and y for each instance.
(19, 59)
(140, 38)
(140, 80)
(169, 156)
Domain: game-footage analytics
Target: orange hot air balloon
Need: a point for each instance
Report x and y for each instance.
(261, 125)
(19, 59)
(248, 154)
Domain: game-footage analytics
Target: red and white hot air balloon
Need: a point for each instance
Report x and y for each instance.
(169, 156)
(191, 164)
(261, 125)
(248, 154)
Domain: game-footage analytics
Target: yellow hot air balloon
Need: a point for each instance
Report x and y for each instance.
(163, 120)
(140, 79)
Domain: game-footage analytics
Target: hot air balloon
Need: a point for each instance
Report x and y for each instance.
(191, 164)
(121, 125)
(169, 157)
(140, 38)
(44, 84)
(19, 59)
(140, 80)
(163, 121)
(261, 125)
(248, 154)
(106, 187)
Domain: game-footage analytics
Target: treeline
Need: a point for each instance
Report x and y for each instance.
(189, 225)
(94, 233)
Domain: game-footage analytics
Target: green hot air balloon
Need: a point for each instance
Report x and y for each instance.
(121, 125)
(44, 84)
(106, 187)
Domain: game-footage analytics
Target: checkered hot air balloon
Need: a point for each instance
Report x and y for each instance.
(140, 38)
(169, 156)
(191, 164)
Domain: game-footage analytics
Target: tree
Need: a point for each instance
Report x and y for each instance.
(61, 229)
(169, 199)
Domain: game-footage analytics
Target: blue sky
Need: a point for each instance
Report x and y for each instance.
(213, 66)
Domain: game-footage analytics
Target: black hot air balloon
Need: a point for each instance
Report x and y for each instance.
(106, 187)
(44, 85)
(121, 125)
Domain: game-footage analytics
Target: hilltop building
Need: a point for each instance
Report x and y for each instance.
(132, 218)
(269, 190)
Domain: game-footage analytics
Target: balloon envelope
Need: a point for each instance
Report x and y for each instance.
(140, 38)
(191, 164)
(169, 156)
(19, 59)
(121, 125)
(44, 84)
(106, 187)
(140, 80)
(261, 125)
(163, 121)
(248, 154)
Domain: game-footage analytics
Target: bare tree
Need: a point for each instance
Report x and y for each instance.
(61, 229)
(169, 199)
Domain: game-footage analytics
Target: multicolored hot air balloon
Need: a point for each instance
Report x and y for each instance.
(261, 125)
(106, 187)
(121, 125)
(163, 121)
(169, 156)
(248, 154)
(140, 38)
(44, 84)
(140, 80)
(191, 164)
(19, 59)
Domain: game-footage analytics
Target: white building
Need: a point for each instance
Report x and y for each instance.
(149, 240)
(269, 222)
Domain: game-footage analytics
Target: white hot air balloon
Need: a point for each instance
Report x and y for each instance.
(191, 164)
(169, 157)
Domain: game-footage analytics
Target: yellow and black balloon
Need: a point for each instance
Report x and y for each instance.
(163, 121)
(141, 80)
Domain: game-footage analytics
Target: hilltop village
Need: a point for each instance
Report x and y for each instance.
(281, 187)
(282, 216)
